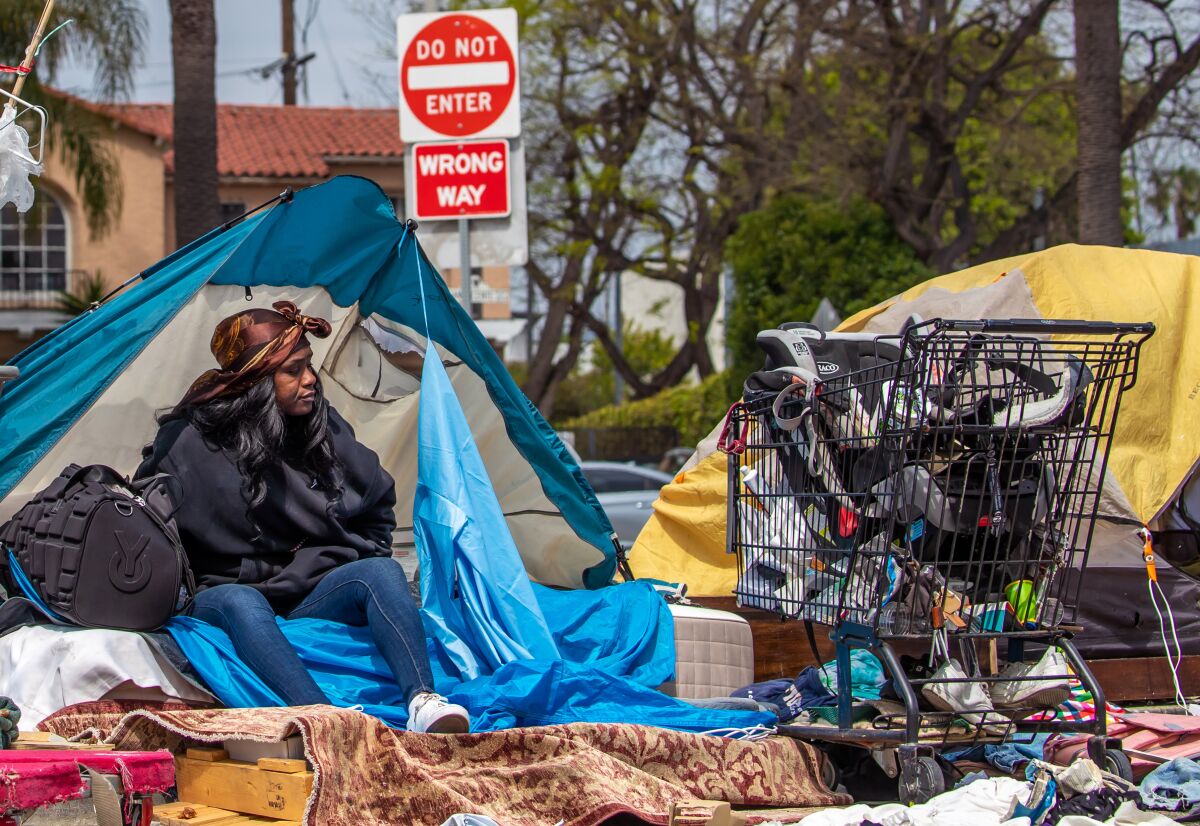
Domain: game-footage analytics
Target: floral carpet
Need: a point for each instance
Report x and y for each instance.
(581, 774)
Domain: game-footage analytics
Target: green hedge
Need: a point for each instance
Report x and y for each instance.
(693, 410)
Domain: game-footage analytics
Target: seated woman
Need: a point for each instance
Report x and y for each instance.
(285, 513)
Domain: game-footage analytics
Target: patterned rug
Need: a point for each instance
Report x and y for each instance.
(581, 774)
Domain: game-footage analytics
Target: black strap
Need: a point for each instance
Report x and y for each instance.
(812, 645)
(622, 559)
(1045, 383)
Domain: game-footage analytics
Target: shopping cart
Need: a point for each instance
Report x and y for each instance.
(937, 490)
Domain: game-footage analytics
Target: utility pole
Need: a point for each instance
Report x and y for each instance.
(619, 339)
(289, 52)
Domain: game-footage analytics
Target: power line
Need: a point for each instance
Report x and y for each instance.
(337, 69)
(251, 71)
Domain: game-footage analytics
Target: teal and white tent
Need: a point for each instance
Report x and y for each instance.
(88, 392)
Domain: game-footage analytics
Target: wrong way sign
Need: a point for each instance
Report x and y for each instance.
(461, 180)
(494, 242)
(459, 75)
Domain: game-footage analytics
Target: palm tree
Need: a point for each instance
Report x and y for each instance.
(193, 55)
(106, 33)
(1098, 92)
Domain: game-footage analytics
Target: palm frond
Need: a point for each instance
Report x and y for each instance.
(108, 34)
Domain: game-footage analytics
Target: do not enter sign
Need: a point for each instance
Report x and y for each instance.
(459, 75)
(461, 180)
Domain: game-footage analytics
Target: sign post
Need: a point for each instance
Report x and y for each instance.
(459, 79)
(464, 255)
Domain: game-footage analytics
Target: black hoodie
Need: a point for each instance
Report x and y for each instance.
(293, 538)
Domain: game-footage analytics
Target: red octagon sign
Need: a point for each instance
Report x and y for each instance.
(457, 75)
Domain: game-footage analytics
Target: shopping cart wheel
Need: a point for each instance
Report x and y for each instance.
(1117, 762)
(920, 779)
(831, 775)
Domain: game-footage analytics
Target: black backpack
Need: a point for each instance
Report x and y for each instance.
(99, 551)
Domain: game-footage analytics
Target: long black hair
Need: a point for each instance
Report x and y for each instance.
(255, 432)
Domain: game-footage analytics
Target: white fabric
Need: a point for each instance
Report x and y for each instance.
(982, 803)
(45, 668)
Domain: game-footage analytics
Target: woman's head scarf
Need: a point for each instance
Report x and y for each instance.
(252, 345)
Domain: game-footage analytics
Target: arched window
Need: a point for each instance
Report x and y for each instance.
(33, 249)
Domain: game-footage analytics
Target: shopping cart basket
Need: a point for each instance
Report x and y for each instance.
(943, 495)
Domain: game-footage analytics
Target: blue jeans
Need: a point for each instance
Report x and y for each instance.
(370, 592)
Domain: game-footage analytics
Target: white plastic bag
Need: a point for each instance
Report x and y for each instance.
(16, 162)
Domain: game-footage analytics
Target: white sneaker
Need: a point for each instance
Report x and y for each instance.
(432, 714)
(968, 700)
(1025, 684)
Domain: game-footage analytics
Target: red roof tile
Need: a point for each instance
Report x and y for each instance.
(277, 141)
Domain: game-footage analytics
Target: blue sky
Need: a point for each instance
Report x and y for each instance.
(346, 41)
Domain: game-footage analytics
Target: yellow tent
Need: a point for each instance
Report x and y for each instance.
(1156, 446)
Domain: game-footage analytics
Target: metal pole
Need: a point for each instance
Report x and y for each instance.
(618, 337)
(464, 258)
(727, 306)
(529, 300)
(289, 53)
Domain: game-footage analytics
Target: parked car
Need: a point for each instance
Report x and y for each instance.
(626, 492)
(675, 458)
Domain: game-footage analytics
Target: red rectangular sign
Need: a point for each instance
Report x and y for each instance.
(461, 180)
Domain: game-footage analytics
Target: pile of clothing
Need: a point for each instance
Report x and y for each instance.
(817, 688)
(1173, 787)
(1077, 795)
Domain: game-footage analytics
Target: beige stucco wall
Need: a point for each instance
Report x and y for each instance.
(135, 240)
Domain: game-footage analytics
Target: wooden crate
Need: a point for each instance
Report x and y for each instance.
(173, 814)
(244, 788)
(46, 740)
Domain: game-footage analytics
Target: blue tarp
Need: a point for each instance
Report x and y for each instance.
(618, 639)
(478, 600)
